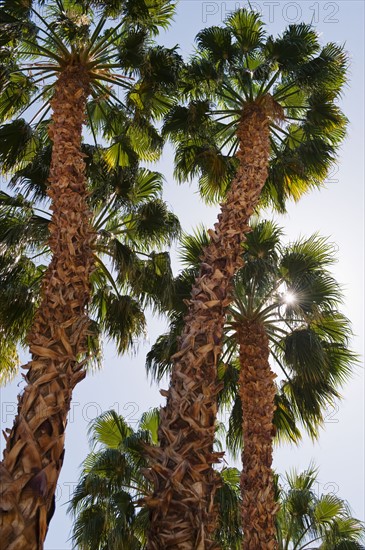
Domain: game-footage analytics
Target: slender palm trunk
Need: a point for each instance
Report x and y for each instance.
(183, 515)
(35, 446)
(257, 392)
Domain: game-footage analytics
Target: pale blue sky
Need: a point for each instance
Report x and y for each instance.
(337, 212)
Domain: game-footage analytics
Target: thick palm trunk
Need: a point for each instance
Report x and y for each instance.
(257, 392)
(183, 514)
(35, 446)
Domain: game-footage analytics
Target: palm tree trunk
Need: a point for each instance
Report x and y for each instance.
(35, 446)
(257, 392)
(182, 510)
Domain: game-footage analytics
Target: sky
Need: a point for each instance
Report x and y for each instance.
(337, 212)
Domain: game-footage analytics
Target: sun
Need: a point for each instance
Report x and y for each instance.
(289, 298)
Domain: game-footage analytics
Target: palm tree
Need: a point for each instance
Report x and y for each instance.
(285, 306)
(106, 502)
(288, 311)
(306, 519)
(67, 62)
(277, 97)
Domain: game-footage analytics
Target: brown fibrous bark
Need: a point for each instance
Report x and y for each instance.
(58, 340)
(257, 392)
(182, 509)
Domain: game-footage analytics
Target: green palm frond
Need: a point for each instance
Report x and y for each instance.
(9, 360)
(192, 247)
(229, 532)
(148, 185)
(152, 281)
(205, 161)
(234, 434)
(294, 47)
(108, 429)
(132, 221)
(158, 359)
(32, 179)
(68, 34)
(19, 295)
(285, 421)
(185, 120)
(306, 518)
(120, 317)
(328, 70)
(18, 143)
(217, 42)
(153, 221)
(248, 29)
(149, 422)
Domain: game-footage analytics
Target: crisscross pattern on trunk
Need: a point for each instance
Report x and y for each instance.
(257, 392)
(182, 509)
(35, 446)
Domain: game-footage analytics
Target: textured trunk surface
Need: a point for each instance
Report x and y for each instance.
(183, 514)
(257, 392)
(35, 446)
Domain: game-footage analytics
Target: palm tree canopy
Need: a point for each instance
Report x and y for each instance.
(239, 65)
(130, 80)
(106, 498)
(291, 291)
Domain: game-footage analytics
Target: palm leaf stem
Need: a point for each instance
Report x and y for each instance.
(295, 118)
(106, 91)
(42, 253)
(263, 312)
(262, 91)
(280, 139)
(62, 47)
(112, 80)
(234, 93)
(106, 272)
(278, 360)
(231, 135)
(229, 114)
(44, 114)
(98, 29)
(289, 532)
(99, 47)
(50, 32)
(46, 52)
(279, 97)
(233, 149)
(274, 145)
(310, 542)
(303, 535)
(250, 82)
(294, 107)
(99, 221)
(41, 66)
(42, 108)
(285, 133)
(91, 124)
